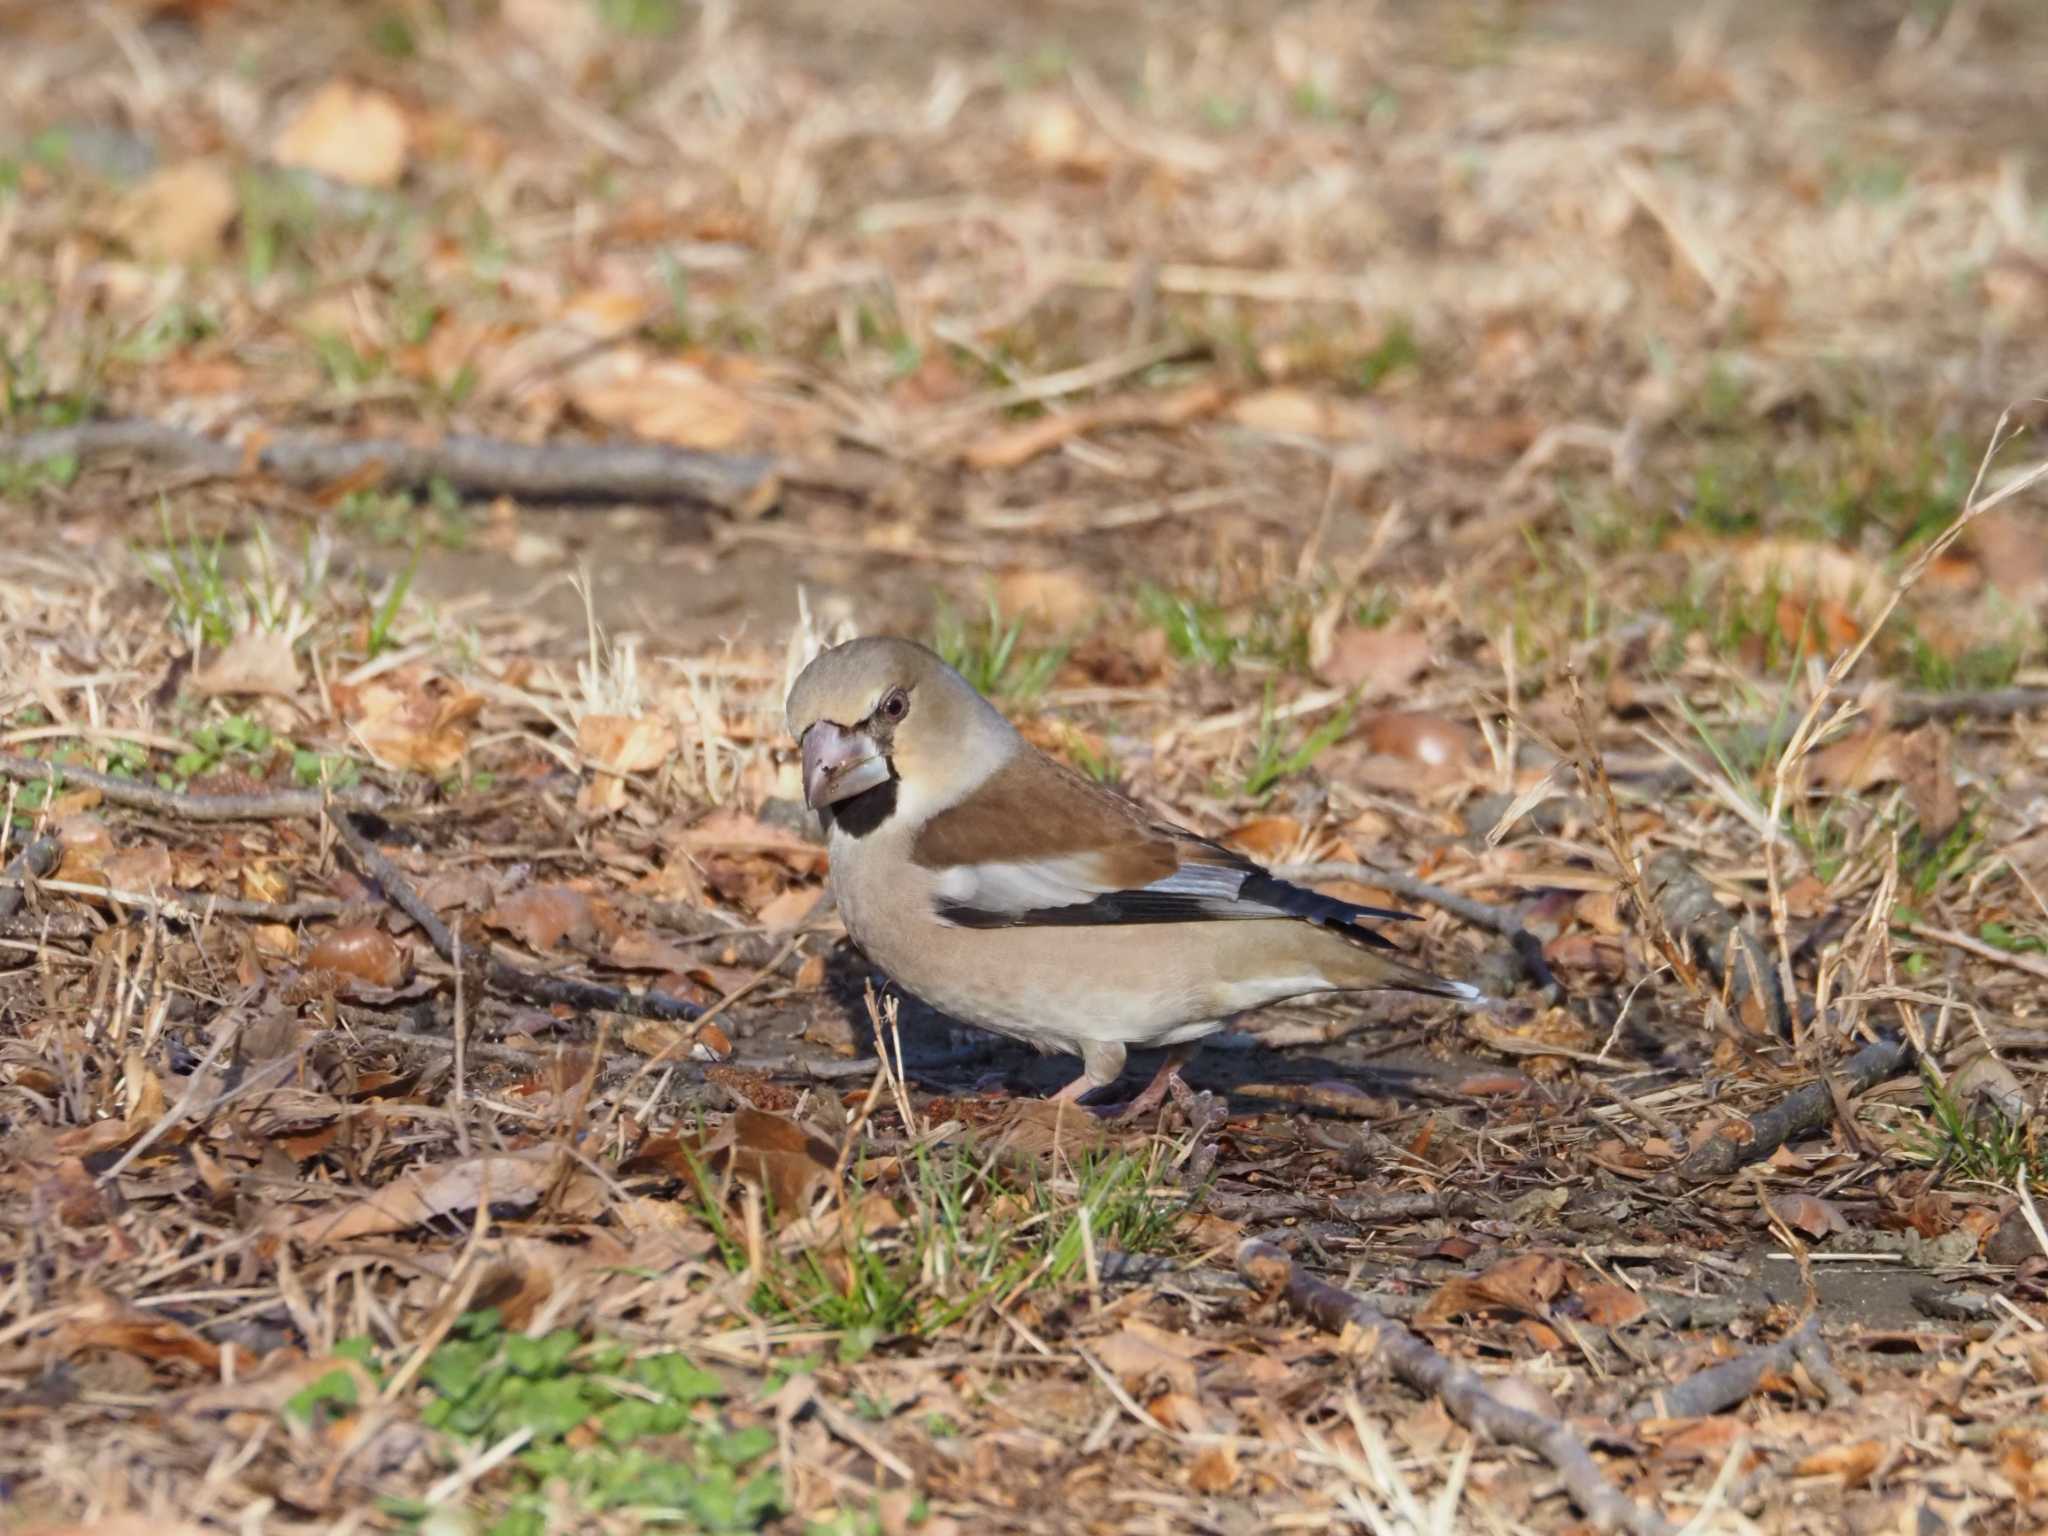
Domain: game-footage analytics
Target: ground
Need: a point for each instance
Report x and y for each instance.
(1559, 469)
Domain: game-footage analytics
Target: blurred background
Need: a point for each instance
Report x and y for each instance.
(1061, 300)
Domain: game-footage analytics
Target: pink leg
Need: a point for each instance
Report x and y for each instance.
(1166, 1078)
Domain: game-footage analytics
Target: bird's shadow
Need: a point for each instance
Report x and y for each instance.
(943, 1056)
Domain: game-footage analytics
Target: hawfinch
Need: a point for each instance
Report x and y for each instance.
(1012, 893)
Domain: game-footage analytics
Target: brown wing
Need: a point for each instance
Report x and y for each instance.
(1040, 845)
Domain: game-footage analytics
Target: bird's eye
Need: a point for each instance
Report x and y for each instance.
(895, 705)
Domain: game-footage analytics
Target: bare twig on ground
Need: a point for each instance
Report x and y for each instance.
(1528, 948)
(1732, 956)
(2033, 965)
(24, 869)
(1365, 1210)
(616, 471)
(179, 805)
(506, 979)
(188, 906)
(1273, 1274)
(1722, 1386)
(1805, 1109)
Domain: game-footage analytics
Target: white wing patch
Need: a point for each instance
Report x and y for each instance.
(1037, 885)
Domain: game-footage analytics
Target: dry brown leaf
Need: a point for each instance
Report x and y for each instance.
(502, 1178)
(1808, 1213)
(1927, 771)
(411, 720)
(256, 662)
(101, 1321)
(348, 133)
(667, 400)
(1431, 741)
(1141, 1355)
(789, 909)
(1605, 1304)
(1039, 1127)
(180, 213)
(1377, 662)
(145, 867)
(627, 743)
(361, 952)
(787, 1161)
(1269, 839)
(1855, 762)
(544, 917)
(1215, 1470)
(1063, 597)
(1852, 1460)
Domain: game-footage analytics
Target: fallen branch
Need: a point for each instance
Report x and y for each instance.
(496, 974)
(1364, 1210)
(1722, 1386)
(1733, 956)
(1528, 948)
(180, 805)
(487, 466)
(1273, 1274)
(2033, 965)
(184, 906)
(1741, 1142)
(27, 867)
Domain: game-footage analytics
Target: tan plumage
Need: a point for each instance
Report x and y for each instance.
(1012, 893)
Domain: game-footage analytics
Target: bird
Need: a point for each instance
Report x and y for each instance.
(1010, 892)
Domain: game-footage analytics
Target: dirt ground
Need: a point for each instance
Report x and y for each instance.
(1566, 470)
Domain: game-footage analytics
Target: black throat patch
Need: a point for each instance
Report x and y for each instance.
(862, 813)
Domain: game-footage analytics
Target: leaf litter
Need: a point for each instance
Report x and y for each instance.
(1276, 416)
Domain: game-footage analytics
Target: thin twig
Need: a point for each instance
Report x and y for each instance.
(180, 805)
(1805, 1109)
(1720, 1387)
(188, 906)
(2033, 965)
(613, 471)
(1273, 1274)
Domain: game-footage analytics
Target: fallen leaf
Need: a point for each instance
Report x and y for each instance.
(785, 1160)
(102, 1321)
(516, 1179)
(1214, 1471)
(1852, 1460)
(348, 133)
(1377, 662)
(1039, 1127)
(1808, 1213)
(789, 909)
(626, 743)
(1266, 838)
(544, 917)
(1063, 597)
(1927, 771)
(1605, 1304)
(363, 953)
(180, 213)
(411, 719)
(1429, 740)
(666, 400)
(1855, 762)
(257, 661)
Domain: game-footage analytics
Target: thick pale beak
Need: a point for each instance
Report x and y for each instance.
(839, 764)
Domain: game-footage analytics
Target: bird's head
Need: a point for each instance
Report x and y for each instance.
(879, 712)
